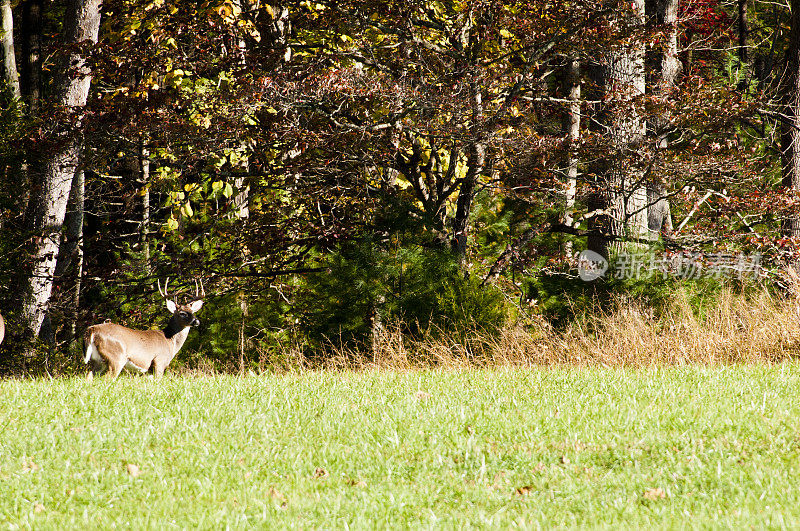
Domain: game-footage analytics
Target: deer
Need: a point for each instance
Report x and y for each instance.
(114, 347)
(2, 329)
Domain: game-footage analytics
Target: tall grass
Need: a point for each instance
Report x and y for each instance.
(728, 328)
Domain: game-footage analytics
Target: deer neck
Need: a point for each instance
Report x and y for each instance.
(176, 332)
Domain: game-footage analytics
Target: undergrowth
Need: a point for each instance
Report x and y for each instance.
(726, 328)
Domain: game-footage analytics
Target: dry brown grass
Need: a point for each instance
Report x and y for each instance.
(730, 329)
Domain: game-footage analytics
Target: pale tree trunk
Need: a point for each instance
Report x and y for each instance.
(241, 201)
(144, 225)
(665, 15)
(243, 332)
(58, 168)
(79, 195)
(572, 123)
(9, 57)
(790, 127)
(629, 193)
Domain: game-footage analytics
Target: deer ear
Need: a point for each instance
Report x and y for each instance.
(196, 305)
(171, 306)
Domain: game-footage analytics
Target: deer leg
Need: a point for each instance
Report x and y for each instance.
(158, 369)
(115, 367)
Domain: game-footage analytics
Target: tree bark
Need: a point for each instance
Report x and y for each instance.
(144, 226)
(572, 125)
(627, 82)
(742, 51)
(9, 57)
(51, 193)
(665, 15)
(790, 126)
(476, 160)
(70, 252)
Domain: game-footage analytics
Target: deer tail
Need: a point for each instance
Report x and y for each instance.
(90, 348)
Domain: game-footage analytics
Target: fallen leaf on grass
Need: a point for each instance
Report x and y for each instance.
(320, 473)
(654, 494)
(278, 496)
(30, 466)
(422, 395)
(354, 483)
(38, 508)
(522, 491)
(133, 470)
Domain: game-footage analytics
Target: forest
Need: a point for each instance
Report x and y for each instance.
(342, 178)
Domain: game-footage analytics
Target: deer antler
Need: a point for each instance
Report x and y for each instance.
(164, 293)
(199, 291)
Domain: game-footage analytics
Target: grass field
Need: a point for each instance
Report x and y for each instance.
(693, 447)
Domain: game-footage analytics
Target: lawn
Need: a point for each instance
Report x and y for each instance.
(692, 446)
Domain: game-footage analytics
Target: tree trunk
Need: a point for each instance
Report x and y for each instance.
(572, 126)
(31, 58)
(51, 193)
(9, 57)
(144, 226)
(790, 127)
(742, 52)
(70, 253)
(627, 82)
(665, 15)
(476, 159)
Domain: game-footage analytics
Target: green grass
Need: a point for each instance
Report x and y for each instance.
(486, 448)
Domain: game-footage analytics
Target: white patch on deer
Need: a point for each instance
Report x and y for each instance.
(91, 352)
(130, 366)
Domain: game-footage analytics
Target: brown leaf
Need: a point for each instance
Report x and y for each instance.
(133, 470)
(522, 491)
(30, 466)
(422, 395)
(564, 460)
(38, 508)
(654, 494)
(278, 496)
(356, 483)
(320, 473)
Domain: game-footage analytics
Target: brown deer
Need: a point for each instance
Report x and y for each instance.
(114, 347)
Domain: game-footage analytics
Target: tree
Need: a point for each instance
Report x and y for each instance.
(11, 75)
(790, 124)
(54, 177)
